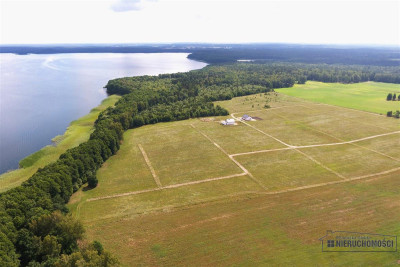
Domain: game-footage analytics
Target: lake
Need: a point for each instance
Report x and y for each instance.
(41, 94)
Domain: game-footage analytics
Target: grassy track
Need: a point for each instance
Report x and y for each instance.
(237, 221)
(368, 96)
(77, 133)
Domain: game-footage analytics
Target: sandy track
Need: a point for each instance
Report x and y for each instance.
(250, 192)
(167, 187)
(322, 145)
(153, 172)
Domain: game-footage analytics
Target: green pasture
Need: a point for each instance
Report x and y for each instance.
(367, 96)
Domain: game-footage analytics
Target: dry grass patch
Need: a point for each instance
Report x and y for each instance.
(285, 169)
(290, 131)
(351, 160)
(389, 145)
(124, 172)
(164, 200)
(275, 230)
(180, 154)
(238, 139)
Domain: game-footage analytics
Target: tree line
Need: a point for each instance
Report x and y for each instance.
(309, 54)
(35, 227)
(392, 97)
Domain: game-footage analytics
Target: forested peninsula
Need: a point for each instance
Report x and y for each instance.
(35, 227)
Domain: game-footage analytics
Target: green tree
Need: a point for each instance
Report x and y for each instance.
(8, 257)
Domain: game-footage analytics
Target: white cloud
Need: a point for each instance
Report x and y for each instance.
(295, 21)
(129, 5)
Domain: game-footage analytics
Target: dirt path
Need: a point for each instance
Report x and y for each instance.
(322, 145)
(250, 192)
(350, 142)
(264, 133)
(153, 172)
(167, 187)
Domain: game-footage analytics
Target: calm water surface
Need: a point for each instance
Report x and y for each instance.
(41, 94)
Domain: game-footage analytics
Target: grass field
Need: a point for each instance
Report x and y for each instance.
(195, 193)
(367, 96)
(77, 133)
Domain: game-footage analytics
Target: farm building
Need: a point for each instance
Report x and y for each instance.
(246, 118)
(228, 122)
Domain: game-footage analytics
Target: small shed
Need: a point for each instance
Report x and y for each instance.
(246, 117)
(230, 122)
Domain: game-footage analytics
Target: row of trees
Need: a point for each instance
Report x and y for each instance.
(34, 226)
(393, 114)
(392, 97)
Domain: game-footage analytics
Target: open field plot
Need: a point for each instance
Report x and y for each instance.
(284, 169)
(308, 124)
(243, 195)
(389, 145)
(178, 153)
(237, 139)
(127, 171)
(334, 125)
(291, 132)
(258, 101)
(277, 230)
(368, 96)
(164, 199)
(351, 160)
(370, 119)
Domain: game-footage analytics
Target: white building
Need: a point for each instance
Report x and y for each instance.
(246, 118)
(228, 122)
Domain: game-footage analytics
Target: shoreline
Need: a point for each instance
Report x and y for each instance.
(76, 133)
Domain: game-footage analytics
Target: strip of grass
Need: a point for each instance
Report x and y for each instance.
(368, 96)
(77, 133)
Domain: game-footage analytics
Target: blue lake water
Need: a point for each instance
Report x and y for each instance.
(41, 94)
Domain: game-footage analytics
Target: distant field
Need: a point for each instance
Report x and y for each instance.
(368, 96)
(195, 193)
(77, 133)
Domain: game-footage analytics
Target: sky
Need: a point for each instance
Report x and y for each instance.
(209, 21)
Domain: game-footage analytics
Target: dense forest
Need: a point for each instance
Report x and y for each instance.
(35, 228)
(229, 53)
(310, 54)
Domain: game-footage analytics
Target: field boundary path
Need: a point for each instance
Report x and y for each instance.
(153, 172)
